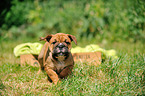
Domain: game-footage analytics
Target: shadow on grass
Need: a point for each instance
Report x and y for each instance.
(2, 87)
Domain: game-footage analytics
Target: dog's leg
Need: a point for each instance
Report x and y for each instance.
(66, 71)
(41, 57)
(52, 74)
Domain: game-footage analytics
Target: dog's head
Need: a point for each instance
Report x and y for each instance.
(60, 44)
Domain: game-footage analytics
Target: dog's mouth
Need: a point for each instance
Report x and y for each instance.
(61, 56)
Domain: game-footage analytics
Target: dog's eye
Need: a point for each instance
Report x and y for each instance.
(67, 42)
(53, 42)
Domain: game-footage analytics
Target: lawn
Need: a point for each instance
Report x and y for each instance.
(123, 76)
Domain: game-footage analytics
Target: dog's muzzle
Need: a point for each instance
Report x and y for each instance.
(60, 50)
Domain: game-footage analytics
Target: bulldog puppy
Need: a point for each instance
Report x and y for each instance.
(55, 56)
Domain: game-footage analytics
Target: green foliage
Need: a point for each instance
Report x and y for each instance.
(102, 19)
(127, 20)
(17, 13)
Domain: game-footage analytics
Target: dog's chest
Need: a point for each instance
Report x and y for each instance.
(60, 65)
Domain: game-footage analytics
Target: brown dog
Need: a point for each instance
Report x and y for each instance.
(55, 56)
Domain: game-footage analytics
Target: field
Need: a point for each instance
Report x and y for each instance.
(112, 24)
(123, 76)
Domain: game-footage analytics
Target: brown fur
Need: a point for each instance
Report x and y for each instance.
(61, 67)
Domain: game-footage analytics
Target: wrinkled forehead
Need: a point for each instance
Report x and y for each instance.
(60, 38)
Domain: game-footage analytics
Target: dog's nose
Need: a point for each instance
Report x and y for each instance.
(61, 45)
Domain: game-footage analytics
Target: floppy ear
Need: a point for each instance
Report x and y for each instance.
(73, 38)
(47, 38)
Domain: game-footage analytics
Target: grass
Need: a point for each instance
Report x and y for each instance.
(124, 76)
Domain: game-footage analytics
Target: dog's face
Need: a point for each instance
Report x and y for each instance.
(60, 44)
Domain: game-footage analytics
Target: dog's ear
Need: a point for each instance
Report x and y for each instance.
(47, 38)
(73, 38)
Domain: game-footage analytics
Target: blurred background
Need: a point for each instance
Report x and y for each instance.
(91, 20)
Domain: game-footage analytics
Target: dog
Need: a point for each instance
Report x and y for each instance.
(55, 56)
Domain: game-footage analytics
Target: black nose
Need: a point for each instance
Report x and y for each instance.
(61, 45)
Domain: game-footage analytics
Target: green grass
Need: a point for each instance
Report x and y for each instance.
(124, 76)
